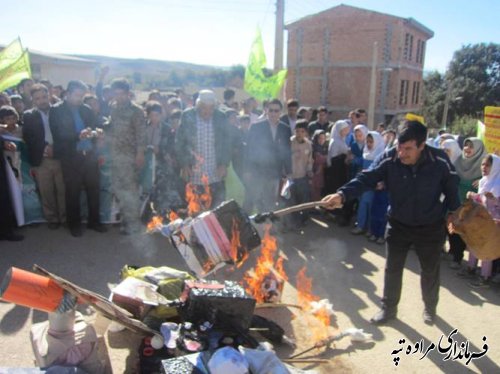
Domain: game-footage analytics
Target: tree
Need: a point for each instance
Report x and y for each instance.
(475, 75)
(434, 96)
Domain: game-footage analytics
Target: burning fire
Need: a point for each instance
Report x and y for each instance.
(265, 269)
(320, 309)
(197, 201)
(155, 224)
(235, 246)
(172, 216)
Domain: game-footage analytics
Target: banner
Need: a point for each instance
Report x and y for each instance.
(15, 72)
(492, 129)
(11, 54)
(257, 84)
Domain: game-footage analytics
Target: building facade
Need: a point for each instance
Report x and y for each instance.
(330, 60)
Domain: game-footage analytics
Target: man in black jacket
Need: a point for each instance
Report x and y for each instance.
(73, 127)
(267, 159)
(422, 185)
(39, 144)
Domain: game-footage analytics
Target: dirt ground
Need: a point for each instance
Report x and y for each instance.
(346, 269)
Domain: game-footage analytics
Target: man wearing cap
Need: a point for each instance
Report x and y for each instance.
(422, 185)
(203, 145)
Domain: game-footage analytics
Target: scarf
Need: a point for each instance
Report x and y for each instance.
(337, 144)
(321, 149)
(470, 168)
(491, 182)
(377, 149)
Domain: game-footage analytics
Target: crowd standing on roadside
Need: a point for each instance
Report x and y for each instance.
(86, 148)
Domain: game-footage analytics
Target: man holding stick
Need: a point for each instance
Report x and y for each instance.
(422, 185)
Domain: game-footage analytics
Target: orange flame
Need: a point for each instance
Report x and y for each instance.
(155, 223)
(172, 216)
(236, 250)
(305, 297)
(207, 266)
(264, 267)
(198, 201)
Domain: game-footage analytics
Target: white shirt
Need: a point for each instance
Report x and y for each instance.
(46, 127)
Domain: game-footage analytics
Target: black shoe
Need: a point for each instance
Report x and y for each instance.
(76, 232)
(382, 316)
(98, 227)
(12, 237)
(53, 225)
(428, 316)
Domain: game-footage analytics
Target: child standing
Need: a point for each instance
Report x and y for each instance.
(373, 148)
(488, 194)
(302, 169)
(320, 154)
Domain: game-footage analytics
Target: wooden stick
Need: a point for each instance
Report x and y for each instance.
(298, 208)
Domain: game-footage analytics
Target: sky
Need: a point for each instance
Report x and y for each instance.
(220, 32)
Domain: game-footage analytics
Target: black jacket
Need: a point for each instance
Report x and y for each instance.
(265, 156)
(63, 128)
(34, 136)
(419, 194)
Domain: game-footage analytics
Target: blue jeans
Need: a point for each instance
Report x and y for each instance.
(364, 209)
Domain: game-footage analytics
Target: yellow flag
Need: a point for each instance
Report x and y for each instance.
(11, 54)
(492, 129)
(15, 72)
(414, 117)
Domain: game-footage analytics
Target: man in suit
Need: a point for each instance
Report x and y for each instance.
(203, 145)
(74, 131)
(267, 159)
(39, 143)
(290, 118)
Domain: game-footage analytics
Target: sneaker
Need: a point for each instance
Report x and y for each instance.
(383, 316)
(380, 241)
(372, 238)
(368, 234)
(98, 227)
(466, 272)
(455, 265)
(357, 231)
(428, 316)
(479, 282)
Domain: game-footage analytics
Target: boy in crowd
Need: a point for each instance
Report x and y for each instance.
(302, 169)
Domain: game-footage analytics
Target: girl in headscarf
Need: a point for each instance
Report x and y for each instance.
(355, 156)
(320, 154)
(468, 167)
(452, 149)
(374, 147)
(336, 174)
(488, 194)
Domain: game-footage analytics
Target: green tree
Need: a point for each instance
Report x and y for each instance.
(474, 73)
(434, 96)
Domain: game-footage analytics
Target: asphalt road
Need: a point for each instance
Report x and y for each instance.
(346, 269)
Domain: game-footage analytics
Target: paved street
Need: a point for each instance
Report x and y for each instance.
(347, 270)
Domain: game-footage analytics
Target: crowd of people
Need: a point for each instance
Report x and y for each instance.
(280, 154)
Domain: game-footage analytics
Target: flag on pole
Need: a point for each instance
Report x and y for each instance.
(11, 54)
(257, 83)
(15, 72)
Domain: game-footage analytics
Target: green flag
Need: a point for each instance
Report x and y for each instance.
(257, 83)
(15, 72)
(11, 54)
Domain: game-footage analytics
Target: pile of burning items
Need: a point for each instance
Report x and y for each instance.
(190, 324)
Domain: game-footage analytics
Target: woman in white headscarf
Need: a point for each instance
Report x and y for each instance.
(373, 148)
(336, 174)
(452, 149)
(468, 167)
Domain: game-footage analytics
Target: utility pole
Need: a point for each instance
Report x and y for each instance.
(278, 41)
(373, 89)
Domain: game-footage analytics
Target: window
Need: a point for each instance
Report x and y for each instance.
(408, 51)
(417, 57)
(403, 92)
(417, 95)
(422, 50)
